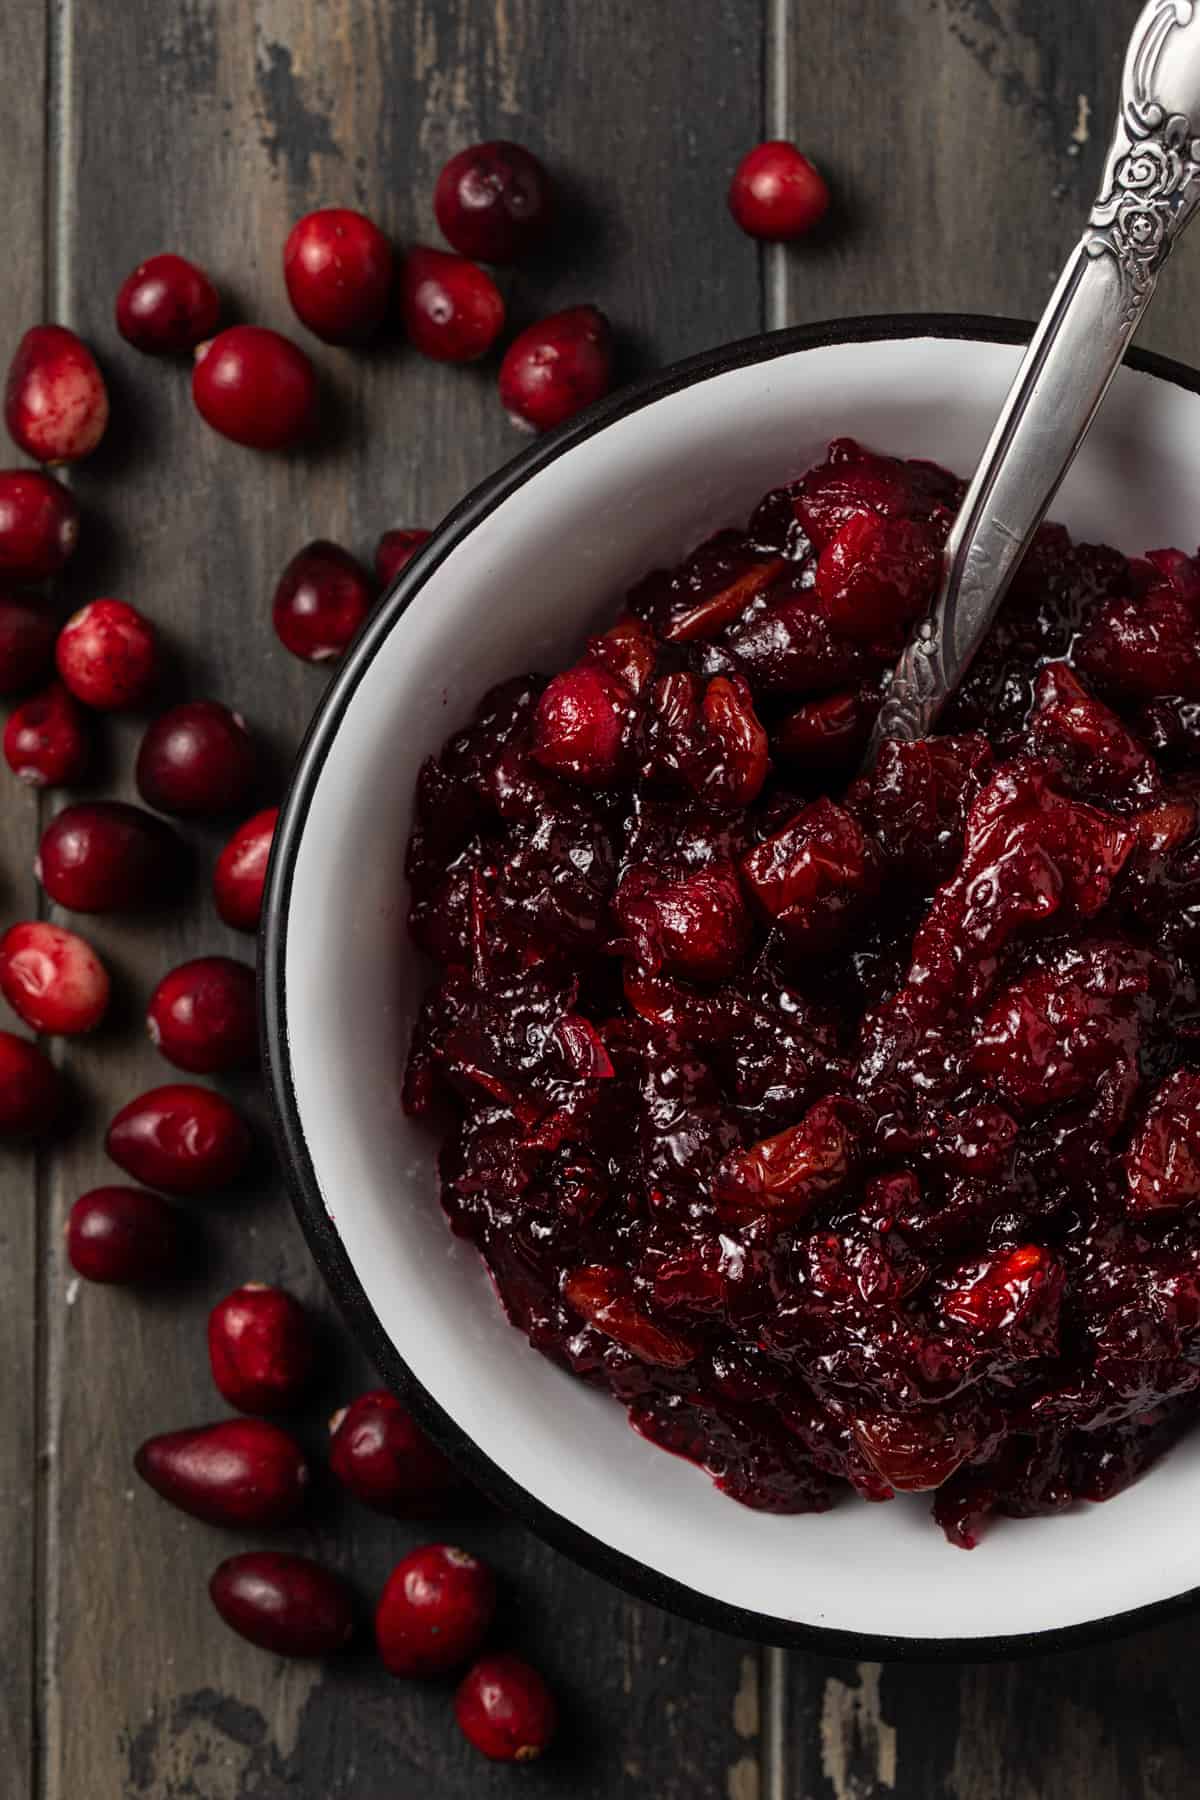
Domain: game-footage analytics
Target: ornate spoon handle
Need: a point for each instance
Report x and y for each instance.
(1150, 192)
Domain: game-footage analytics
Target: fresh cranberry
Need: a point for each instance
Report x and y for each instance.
(108, 655)
(167, 306)
(241, 1472)
(241, 871)
(260, 1347)
(105, 856)
(776, 193)
(505, 1709)
(45, 739)
(284, 1603)
(125, 1236)
(395, 550)
(256, 387)
(434, 1611)
(338, 270)
(202, 1016)
(53, 979)
(56, 403)
(494, 202)
(380, 1455)
(197, 760)
(452, 309)
(27, 635)
(39, 524)
(182, 1138)
(555, 368)
(322, 598)
(31, 1091)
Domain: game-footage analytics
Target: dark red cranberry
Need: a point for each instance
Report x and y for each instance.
(323, 597)
(202, 1016)
(105, 856)
(52, 978)
(56, 403)
(395, 550)
(181, 1138)
(434, 1611)
(695, 925)
(241, 871)
(31, 1090)
(505, 1709)
(580, 723)
(284, 1603)
(27, 636)
(256, 387)
(167, 306)
(240, 1472)
(494, 202)
(555, 368)
(338, 270)
(776, 193)
(125, 1236)
(45, 739)
(197, 760)
(877, 575)
(452, 309)
(260, 1348)
(107, 655)
(381, 1455)
(39, 524)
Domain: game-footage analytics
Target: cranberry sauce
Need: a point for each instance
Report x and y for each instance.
(846, 1130)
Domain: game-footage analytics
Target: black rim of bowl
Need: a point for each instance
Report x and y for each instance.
(326, 1245)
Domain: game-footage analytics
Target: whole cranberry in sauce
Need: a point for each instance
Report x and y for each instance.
(181, 1138)
(39, 524)
(126, 1236)
(505, 1709)
(52, 978)
(777, 193)
(245, 1473)
(27, 636)
(494, 202)
(553, 369)
(104, 856)
(261, 1348)
(31, 1089)
(256, 387)
(241, 871)
(434, 1611)
(167, 306)
(322, 598)
(203, 1015)
(338, 267)
(452, 309)
(380, 1455)
(197, 760)
(284, 1603)
(107, 654)
(46, 740)
(55, 403)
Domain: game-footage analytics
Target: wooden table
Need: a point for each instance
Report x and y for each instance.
(964, 137)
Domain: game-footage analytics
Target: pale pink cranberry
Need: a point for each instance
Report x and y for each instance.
(56, 403)
(52, 978)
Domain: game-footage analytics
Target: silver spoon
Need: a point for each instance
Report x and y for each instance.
(1150, 193)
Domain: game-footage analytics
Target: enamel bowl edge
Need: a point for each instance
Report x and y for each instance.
(513, 580)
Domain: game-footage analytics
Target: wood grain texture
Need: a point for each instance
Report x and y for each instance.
(206, 126)
(23, 49)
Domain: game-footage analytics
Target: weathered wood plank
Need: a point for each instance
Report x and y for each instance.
(206, 128)
(23, 57)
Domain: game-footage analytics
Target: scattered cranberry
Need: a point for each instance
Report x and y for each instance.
(555, 368)
(395, 550)
(241, 871)
(338, 270)
(39, 524)
(776, 193)
(452, 309)
(56, 403)
(197, 760)
(167, 306)
(494, 202)
(434, 1611)
(323, 597)
(181, 1138)
(31, 1091)
(505, 1709)
(381, 1455)
(108, 655)
(241, 1472)
(26, 644)
(256, 387)
(45, 739)
(53, 979)
(125, 1236)
(260, 1347)
(105, 856)
(284, 1603)
(202, 1016)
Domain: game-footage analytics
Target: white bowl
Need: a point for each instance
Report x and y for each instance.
(512, 581)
